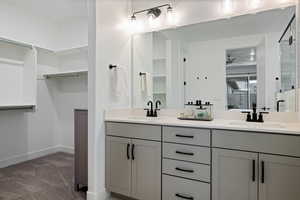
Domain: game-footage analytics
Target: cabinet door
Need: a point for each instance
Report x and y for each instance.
(234, 175)
(279, 178)
(118, 165)
(146, 170)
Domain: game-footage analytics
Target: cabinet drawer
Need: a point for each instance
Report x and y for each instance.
(187, 170)
(138, 131)
(186, 153)
(181, 189)
(187, 136)
(257, 142)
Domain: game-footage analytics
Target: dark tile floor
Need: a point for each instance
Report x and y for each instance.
(46, 178)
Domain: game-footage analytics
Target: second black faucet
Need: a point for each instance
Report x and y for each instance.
(151, 112)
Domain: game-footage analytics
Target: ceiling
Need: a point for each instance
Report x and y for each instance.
(56, 10)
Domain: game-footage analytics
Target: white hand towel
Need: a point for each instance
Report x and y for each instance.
(118, 84)
(143, 83)
(149, 85)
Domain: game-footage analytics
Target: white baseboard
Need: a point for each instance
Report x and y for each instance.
(33, 155)
(27, 156)
(104, 195)
(65, 149)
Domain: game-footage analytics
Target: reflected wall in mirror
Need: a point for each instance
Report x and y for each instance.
(231, 63)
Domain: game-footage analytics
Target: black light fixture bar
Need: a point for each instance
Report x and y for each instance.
(149, 9)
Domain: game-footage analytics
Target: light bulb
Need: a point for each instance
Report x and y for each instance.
(227, 6)
(153, 21)
(133, 21)
(170, 16)
(134, 25)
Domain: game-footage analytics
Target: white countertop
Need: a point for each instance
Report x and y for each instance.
(267, 127)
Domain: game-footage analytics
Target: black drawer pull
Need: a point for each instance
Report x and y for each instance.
(132, 152)
(185, 153)
(184, 170)
(183, 196)
(185, 136)
(253, 170)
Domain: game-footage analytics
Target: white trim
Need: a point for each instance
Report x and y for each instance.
(66, 149)
(11, 61)
(75, 73)
(104, 195)
(27, 156)
(33, 155)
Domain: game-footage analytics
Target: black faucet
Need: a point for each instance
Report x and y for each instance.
(150, 111)
(157, 104)
(254, 117)
(278, 104)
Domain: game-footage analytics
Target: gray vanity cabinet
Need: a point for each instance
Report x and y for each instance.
(241, 173)
(281, 177)
(118, 165)
(133, 166)
(234, 175)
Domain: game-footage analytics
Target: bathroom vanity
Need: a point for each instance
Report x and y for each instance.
(165, 158)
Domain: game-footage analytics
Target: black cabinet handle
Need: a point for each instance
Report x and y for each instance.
(185, 136)
(262, 172)
(253, 170)
(183, 196)
(185, 153)
(128, 147)
(132, 152)
(184, 170)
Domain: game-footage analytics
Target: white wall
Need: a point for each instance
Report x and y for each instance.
(24, 26)
(73, 33)
(107, 45)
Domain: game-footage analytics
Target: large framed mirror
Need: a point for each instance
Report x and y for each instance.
(232, 63)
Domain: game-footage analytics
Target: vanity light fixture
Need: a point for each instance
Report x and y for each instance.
(154, 13)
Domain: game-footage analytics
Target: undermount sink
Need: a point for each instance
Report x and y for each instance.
(143, 118)
(257, 125)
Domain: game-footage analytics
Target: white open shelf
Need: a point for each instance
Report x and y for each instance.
(74, 73)
(159, 76)
(11, 61)
(18, 72)
(241, 64)
(17, 107)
